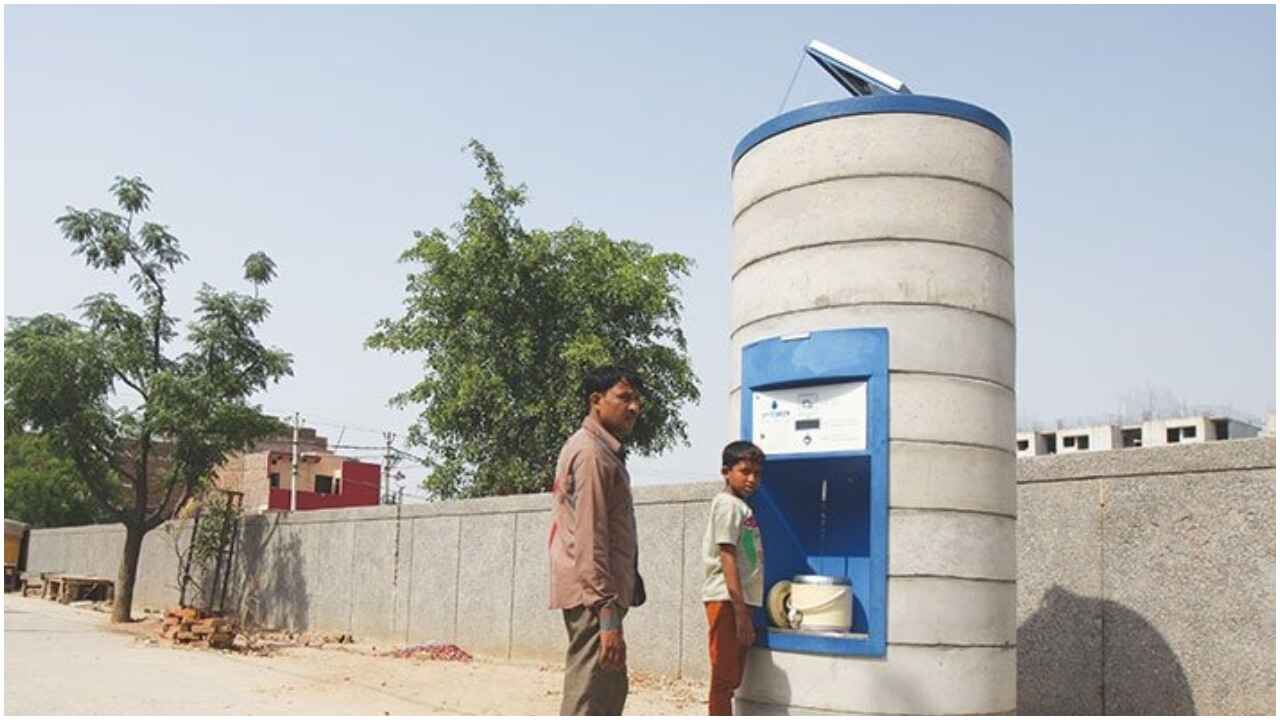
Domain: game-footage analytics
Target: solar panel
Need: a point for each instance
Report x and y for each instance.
(854, 75)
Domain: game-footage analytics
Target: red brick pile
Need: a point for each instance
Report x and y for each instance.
(190, 626)
(432, 651)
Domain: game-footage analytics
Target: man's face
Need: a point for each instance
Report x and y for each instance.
(617, 408)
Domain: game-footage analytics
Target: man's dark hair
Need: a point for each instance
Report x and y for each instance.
(600, 379)
(738, 451)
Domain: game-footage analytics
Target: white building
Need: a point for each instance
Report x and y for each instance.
(1033, 443)
(1086, 439)
(1195, 429)
(1166, 431)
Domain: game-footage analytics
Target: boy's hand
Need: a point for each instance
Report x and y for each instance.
(613, 650)
(742, 623)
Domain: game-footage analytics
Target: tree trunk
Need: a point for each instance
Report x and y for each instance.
(128, 575)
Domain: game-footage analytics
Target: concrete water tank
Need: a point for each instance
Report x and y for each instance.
(896, 211)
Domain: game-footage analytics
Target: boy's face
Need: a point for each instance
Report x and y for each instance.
(617, 408)
(743, 478)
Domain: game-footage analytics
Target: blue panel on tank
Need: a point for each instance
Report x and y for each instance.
(788, 505)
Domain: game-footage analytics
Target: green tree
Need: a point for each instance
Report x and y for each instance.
(508, 319)
(40, 486)
(259, 270)
(143, 426)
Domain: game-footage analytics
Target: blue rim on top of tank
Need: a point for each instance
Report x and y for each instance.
(874, 92)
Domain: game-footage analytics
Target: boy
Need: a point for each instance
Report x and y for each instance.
(733, 557)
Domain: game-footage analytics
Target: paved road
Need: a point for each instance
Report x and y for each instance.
(60, 660)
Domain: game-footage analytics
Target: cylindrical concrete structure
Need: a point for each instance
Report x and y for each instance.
(896, 211)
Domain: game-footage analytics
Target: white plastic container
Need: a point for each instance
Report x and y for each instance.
(812, 603)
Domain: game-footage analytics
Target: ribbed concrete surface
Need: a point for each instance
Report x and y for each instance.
(873, 271)
(928, 338)
(934, 611)
(905, 222)
(888, 207)
(930, 475)
(874, 145)
(910, 680)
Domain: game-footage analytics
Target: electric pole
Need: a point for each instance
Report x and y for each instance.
(293, 470)
(386, 468)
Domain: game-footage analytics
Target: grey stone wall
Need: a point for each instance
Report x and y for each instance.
(469, 572)
(1146, 577)
(1146, 581)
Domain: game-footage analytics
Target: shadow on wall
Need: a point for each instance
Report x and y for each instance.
(268, 588)
(1086, 656)
(283, 601)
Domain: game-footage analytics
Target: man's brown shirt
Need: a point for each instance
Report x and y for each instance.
(592, 545)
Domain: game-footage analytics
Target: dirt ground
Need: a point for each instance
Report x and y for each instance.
(65, 660)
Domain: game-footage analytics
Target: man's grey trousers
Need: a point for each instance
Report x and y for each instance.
(588, 688)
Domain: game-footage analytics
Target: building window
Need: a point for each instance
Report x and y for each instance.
(275, 479)
(1023, 445)
(1131, 437)
(1079, 442)
(1189, 432)
(1051, 444)
(324, 485)
(1173, 435)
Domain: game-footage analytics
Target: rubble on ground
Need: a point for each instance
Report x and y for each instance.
(431, 651)
(305, 639)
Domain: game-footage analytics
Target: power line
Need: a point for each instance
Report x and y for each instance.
(325, 420)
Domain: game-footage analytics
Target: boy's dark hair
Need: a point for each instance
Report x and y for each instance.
(738, 451)
(600, 379)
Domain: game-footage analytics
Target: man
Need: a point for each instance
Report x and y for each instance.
(592, 545)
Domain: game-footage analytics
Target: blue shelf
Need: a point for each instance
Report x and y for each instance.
(820, 643)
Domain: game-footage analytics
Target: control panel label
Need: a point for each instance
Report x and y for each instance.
(811, 419)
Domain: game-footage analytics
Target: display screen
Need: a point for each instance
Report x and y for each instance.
(808, 424)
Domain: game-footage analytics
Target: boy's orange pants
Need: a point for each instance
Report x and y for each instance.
(728, 658)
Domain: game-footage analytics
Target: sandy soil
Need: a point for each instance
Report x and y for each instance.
(62, 660)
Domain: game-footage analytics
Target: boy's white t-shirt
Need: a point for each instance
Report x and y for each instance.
(732, 522)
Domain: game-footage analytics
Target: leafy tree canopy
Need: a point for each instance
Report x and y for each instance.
(40, 486)
(259, 269)
(508, 320)
(143, 425)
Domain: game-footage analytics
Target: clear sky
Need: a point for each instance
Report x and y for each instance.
(1144, 168)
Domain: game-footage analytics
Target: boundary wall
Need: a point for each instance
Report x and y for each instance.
(1146, 577)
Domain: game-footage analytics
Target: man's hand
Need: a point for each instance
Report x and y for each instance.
(613, 647)
(742, 623)
(613, 650)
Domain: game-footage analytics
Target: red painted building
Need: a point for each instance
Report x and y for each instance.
(325, 480)
(357, 484)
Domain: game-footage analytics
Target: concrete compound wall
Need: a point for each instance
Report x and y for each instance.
(1146, 581)
(469, 572)
(1146, 578)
